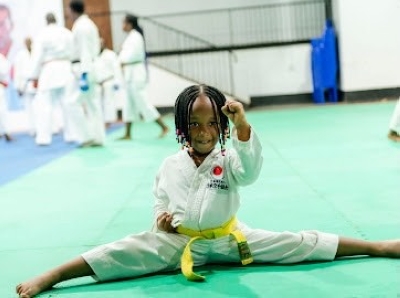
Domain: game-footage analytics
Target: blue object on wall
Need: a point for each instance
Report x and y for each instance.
(324, 65)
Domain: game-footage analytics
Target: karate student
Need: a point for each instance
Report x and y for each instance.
(84, 108)
(51, 68)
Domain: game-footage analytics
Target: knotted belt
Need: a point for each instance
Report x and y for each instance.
(229, 228)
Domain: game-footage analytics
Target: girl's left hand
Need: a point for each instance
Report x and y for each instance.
(235, 112)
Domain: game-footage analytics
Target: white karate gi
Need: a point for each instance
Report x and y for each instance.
(84, 107)
(51, 64)
(108, 76)
(132, 58)
(200, 199)
(22, 67)
(394, 123)
(4, 74)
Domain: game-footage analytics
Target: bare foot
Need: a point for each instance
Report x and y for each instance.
(124, 138)
(8, 138)
(35, 286)
(394, 136)
(390, 248)
(164, 132)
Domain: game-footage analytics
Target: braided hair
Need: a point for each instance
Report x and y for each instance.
(183, 108)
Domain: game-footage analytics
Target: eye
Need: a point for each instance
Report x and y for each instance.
(213, 123)
(193, 124)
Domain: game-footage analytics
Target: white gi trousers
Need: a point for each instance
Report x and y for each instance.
(136, 105)
(46, 102)
(106, 93)
(29, 107)
(150, 252)
(84, 113)
(394, 123)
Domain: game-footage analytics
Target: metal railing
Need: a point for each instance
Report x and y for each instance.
(234, 28)
(201, 45)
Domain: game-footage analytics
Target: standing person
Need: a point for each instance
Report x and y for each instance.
(23, 84)
(4, 70)
(132, 58)
(108, 76)
(85, 113)
(196, 204)
(394, 125)
(51, 68)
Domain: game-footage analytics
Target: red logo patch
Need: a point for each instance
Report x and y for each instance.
(217, 172)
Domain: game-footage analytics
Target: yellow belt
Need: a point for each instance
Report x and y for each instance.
(227, 229)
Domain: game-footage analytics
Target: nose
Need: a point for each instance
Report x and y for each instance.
(204, 130)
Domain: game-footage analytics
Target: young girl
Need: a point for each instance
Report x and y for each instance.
(196, 202)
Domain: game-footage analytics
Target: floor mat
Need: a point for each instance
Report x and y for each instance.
(328, 168)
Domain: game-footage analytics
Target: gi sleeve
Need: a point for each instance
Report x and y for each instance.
(161, 197)
(246, 159)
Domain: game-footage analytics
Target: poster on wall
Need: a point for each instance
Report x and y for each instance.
(19, 20)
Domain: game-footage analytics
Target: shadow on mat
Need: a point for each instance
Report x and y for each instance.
(220, 280)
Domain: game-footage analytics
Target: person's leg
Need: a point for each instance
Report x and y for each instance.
(289, 248)
(78, 126)
(147, 110)
(43, 108)
(395, 123)
(355, 247)
(132, 256)
(72, 269)
(127, 135)
(94, 116)
(129, 113)
(164, 127)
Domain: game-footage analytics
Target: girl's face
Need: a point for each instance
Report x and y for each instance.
(203, 126)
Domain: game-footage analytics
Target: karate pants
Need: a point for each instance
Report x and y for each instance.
(136, 104)
(84, 115)
(46, 102)
(151, 252)
(106, 93)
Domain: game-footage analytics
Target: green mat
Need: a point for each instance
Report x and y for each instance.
(327, 167)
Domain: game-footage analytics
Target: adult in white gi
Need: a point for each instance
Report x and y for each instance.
(196, 194)
(85, 112)
(51, 67)
(4, 74)
(132, 58)
(108, 76)
(394, 125)
(23, 84)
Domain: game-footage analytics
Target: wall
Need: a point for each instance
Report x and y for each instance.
(273, 71)
(369, 43)
(164, 87)
(368, 38)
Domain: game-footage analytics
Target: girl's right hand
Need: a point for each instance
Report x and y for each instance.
(164, 223)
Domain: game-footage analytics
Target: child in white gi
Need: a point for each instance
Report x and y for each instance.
(196, 202)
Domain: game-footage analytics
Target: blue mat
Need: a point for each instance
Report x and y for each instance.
(22, 156)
